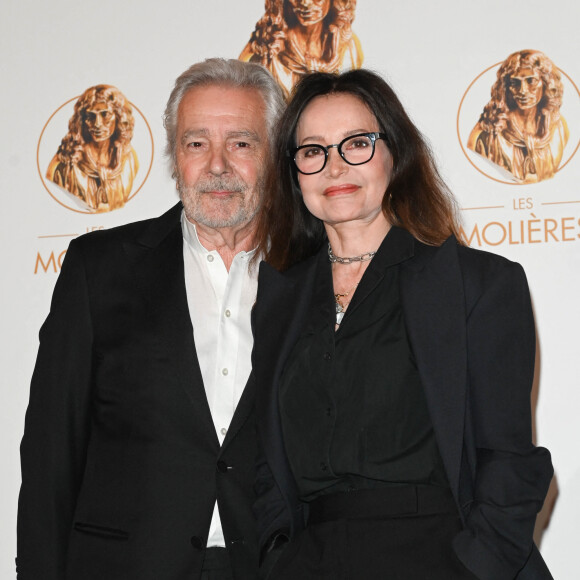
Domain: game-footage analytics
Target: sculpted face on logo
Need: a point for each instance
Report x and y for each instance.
(310, 12)
(100, 121)
(526, 87)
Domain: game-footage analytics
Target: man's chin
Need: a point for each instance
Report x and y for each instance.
(216, 220)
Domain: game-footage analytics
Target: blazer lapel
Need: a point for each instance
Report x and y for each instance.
(433, 303)
(274, 339)
(242, 412)
(157, 261)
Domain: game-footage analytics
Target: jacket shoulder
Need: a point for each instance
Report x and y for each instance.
(486, 273)
(131, 232)
(483, 266)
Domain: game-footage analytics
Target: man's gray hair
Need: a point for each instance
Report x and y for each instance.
(228, 73)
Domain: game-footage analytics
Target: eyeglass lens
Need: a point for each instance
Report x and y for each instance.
(354, 150)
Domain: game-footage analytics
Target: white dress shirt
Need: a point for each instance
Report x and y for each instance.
(219, 305)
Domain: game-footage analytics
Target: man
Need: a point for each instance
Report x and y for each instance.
(138, 419)
(95, 160)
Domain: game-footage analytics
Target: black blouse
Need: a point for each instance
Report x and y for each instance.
(353, 410)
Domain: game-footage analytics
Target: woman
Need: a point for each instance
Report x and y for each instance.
(393, 364)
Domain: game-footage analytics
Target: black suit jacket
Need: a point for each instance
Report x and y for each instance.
(121, 464)
(471, 328)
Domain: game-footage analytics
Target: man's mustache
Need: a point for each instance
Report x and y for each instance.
(221, 184)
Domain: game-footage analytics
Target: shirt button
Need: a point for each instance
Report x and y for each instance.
(327, 356)
(228, 313)
(225, 372)
(223, 431)
(196, 542)
(210, 258)
(323, 466)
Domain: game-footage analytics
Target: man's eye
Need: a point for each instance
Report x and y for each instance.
(242, 145)
(195, 145)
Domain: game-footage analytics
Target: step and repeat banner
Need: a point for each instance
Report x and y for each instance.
(493, 85)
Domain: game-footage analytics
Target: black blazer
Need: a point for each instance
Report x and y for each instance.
(121, 464)
(471, 328)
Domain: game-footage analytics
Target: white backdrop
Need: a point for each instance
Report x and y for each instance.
(431, 52)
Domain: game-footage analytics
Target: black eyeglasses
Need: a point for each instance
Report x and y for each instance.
(355, 150)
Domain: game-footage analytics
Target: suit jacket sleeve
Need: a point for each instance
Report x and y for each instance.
(511, 475)
(56, 428)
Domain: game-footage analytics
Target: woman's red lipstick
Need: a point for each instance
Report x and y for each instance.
(340, 189)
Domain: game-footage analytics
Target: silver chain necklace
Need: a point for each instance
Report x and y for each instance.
(337, 259)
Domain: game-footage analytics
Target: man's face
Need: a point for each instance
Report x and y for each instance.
(220, 153)
(100, 121)
(526, 88)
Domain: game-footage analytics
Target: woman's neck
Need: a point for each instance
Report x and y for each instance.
(353, 238)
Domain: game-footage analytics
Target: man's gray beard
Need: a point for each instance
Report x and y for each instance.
(240, 213)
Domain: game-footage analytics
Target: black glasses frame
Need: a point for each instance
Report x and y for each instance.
(372, 136)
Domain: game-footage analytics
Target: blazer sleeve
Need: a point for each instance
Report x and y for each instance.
(56, 429)
(511, 475)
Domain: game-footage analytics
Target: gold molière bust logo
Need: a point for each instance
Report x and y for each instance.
(95, 152)
(519, 120)
(295, 37)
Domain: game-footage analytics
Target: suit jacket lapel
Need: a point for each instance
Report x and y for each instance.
(290, 301)
(244, 408)
(433, 303)
(157, 261)
(274, 339)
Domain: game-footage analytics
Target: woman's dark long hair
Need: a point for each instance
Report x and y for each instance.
(416, 199)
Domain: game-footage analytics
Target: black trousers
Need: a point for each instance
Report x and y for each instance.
(216, 565)
(389, 534)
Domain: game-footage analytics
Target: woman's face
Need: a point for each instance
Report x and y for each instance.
(341, 192)
(310, 12)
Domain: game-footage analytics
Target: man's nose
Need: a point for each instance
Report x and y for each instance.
(218, 162)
